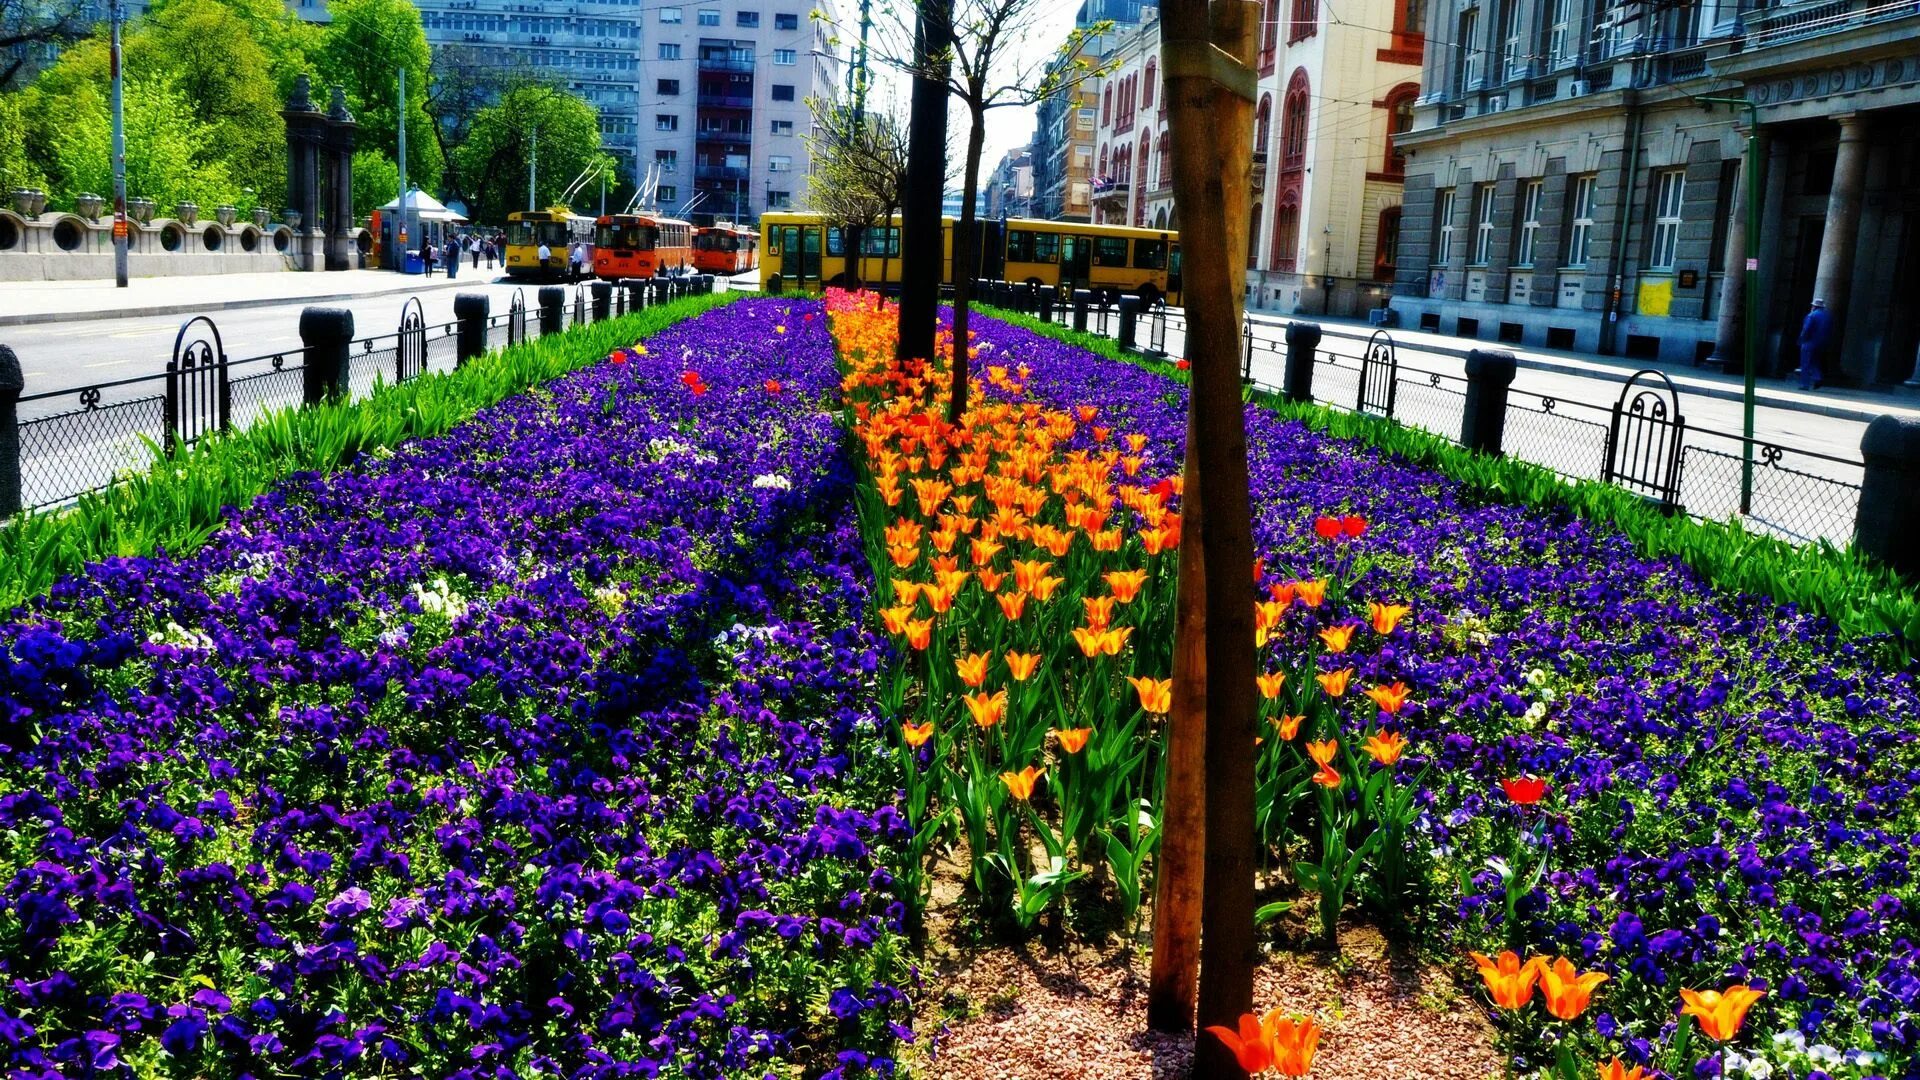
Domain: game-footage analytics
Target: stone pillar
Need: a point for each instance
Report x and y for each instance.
(1081, 298)
(602, 292)
(1835, 275)
(1888, 528)
(1731, 331)
(11, 383)
(327, 334)
(553, 302)
(1773, 202)
(1302, 339)
(470, 310)
(1483, 421)
(1129, 321)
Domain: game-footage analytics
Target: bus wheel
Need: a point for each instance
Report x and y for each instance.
(1149, 295)
(775, 285)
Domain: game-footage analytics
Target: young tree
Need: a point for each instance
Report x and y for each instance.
(859, 171)
(1207, 53)
(463, 81)
(27, 24)
(493, 161)
(365, 46)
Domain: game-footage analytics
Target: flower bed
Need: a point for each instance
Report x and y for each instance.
(1726, 794)
(527, 748)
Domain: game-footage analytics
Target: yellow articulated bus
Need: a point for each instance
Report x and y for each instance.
(803, 252)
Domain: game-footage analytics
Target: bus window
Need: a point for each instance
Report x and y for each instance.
(835, 247)
(1019, 245)
(1046, 247)
(881, 242)
(1150, 255)
(1110, 251)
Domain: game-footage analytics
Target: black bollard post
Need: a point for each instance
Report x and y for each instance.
(1081, 298)
(636, 294)
(1302, 339)
(1484, 421)
(470, 310)
(602, 300)
(327, 334)
(553, 303)
(1129, 321)
(1888, 525)
(1045, 305)
(12, 382)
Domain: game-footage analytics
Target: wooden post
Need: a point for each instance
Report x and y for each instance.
(1207, 55)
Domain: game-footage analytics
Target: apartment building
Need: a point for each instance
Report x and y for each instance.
(1008, 189)
(1569, 185)
(1063, 136)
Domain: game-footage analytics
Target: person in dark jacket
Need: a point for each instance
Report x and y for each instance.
(1815, 334)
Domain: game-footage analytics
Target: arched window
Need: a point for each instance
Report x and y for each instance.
(1106, 107)
(1166, 161)
(1386, 245)
(1102, 175)
(1306, 20)
(1140, 178)
(1263, 124)
(1399, 120)
(1253, 239)
(1286, 235)
(1269, 36)
(1293, 122)
(1146, 88)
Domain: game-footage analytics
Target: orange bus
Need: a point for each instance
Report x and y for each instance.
(641, 246)
(726, 249)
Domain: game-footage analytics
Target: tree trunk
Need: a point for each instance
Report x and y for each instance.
(926, 179)
(1210, 133)
(964, 258)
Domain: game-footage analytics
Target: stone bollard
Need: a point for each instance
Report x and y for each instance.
(1129, 322)
(327, 334)
(470, 310)
(1081, 298)
(1302, 339)
(1888, 526)
(1484, 419)
(553, 307)
(602, 292)
(1045, 306)
(636, 294)
(12, 382)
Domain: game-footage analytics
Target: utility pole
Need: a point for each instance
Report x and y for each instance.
(1749, 290)
(533, 165)
(119, 154)
(926, 182)
(859, 72)
(406, 203)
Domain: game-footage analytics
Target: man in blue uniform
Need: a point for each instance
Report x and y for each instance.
(1815, 333)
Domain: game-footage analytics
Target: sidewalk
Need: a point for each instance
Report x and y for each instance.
(28, 302)
(1846, 404)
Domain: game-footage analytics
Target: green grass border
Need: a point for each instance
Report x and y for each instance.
(1862, 598)
(182, 500)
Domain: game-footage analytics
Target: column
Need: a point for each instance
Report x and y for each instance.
(1728, 336)
(1772, 216)
(1843, 219)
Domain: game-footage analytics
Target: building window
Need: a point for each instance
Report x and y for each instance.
(1286, 237)
(1263, 124)
(1469, 68)
(1306, 20)
(1443, 217)
(1386, 245)
(667, 87)
(779, 163)
(1146, 86)
(1106, 106)
(1269, 36)
(1559, 30)
(1293, 122)
(1482, 225)
(1399, 121)
(709, 17)
(667, 160)
(666, 122)
(1670, 192)
(667, 193)
(788, 21)
(785, 57)
(1253, 238)
(783, 127)
(782, 92)
(747, 20)
(1580, 229)
(1529, 222)
(669, 51)
(1412, 19)
(1085, 120)
(669, 14)
(779, 200)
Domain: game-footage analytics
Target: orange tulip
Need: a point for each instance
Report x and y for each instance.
(1270, 684)
(1720, 1012)
(1252, 1045)
(917, 734)
(1288, 726)
(1311, 593)
(983, 551)
(896, 618)
(1390, 698)
(1099, 611)
(1126, 584)
(1020, 784)
(987, 709)
(1294, 1044)
(1335, 682)
(1025, 573)
(1322, 751)
(906, 592)
(1073, 740)
(1091, 641)
(1617, 1070)
(1043, 588)
(1012, 604)
(1156, 695)
(972, 669)
(1567, 991)
(919, 633)
(1115, 639)
(1327, 777)
(1337, 638)
(990, 578)
(1386, 747)
(1509, 981)
(1022, 665)
(1387, 616)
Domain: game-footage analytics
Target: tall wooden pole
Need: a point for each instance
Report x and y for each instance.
(1207, 56)
(920, 269)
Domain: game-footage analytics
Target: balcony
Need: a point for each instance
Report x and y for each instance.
(735, 138)
(724, 101)
(728, 173)
(726, 63)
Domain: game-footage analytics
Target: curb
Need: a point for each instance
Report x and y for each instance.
(1839, 410)
(41, 318)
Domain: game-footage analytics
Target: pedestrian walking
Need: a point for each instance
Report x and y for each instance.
(1815, 333)
(473, 248)
(426, 257)
(579, 258)
(545, 255)
(452, 255)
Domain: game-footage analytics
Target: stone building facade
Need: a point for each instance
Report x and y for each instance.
(1568, 187)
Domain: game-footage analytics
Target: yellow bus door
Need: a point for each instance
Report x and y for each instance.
(1076, 262)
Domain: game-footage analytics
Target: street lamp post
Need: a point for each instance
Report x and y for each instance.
(119, 155)
(1751, 166)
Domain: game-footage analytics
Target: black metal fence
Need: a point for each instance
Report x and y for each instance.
(77, 440)
(1641, 440)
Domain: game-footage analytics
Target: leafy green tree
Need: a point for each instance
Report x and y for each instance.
(208, 51)
(493, 161)
(169, 158)
(17, 166)
(363, 51)
(376, 180)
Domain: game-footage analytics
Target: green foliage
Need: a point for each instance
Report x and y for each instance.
(1862, 598)
(181, 502)
(493, 161)
(17, 167)
(365, 46)
(170, 158)
(376, 180)
(207, 50)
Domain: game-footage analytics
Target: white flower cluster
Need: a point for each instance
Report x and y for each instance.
(662, 449)
(611, 598)
(1791, 1048)
(438, 598)
(1537, 711)
(773, 481)
(181, 638)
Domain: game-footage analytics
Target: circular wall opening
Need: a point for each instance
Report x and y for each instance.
(172, 237)
(9, 233)
(67, 234)
(249, 239)
(281, 239)
(212, 237)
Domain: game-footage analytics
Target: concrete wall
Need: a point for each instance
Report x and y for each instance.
(66, 247)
